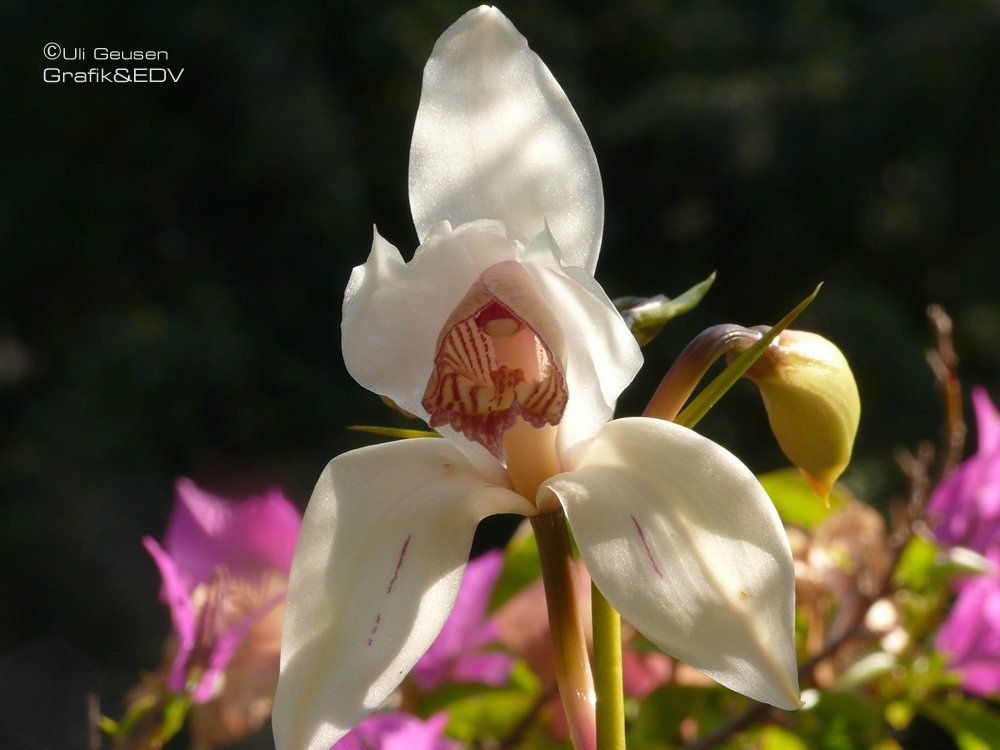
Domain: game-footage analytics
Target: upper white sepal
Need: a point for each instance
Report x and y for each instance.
(497, 138)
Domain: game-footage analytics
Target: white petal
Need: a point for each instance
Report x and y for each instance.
(601, 354)
(683, 541)
(377, 568)
(496, 138)
(394, 311)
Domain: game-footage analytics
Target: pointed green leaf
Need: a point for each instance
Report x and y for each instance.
(974, 724)
(706, 399)
(393, 432)
(646, 316)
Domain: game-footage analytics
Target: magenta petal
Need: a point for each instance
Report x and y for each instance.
(453, 653)
(247, 538)
(226, 645)
(987, 422)
(982, 679)
(952, 504)
(970, 637)
(488, 668)
(966, 505)
(645, 671)
(176, 595)
(398, 731)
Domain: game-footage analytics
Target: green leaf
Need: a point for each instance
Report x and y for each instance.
(646, 316)
(867, 668)
(920, 567)
(795, 500)
(393, 432)
(521, 567)
(174, 713)
(706, 399)
(661, 713)
(776, 738)
(839, 721)
(974, 724)
(899, 713)
(494, 713)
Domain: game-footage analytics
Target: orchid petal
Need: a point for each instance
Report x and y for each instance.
(684, 542)
(178, 598)
(496, 138)
(602, 355)
(378, 565)
(247, 538)
(381, 323)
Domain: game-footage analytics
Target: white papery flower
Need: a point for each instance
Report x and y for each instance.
(497, 334)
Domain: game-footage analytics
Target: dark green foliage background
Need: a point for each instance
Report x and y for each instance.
(174, 256)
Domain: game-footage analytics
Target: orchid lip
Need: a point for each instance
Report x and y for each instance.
(496, 362)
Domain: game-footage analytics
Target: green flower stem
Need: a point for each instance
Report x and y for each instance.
(150, 721)
(608, 672)
(569, 645)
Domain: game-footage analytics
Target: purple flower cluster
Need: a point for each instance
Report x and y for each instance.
(225, 569)
(966, 506)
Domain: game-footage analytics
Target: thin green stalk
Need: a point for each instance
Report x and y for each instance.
(569, 645)
(608, 672)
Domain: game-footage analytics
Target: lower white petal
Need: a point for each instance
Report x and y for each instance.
(682, 539)
(377, 568)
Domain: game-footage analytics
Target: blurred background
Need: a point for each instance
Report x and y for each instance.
(174, 255)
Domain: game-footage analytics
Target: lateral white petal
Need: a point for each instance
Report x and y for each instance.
(684, 542)
(377, 567)
(601, 354)
(496, 138)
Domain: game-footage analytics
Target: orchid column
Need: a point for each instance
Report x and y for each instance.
(497, 334)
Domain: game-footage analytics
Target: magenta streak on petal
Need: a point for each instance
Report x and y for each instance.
(395, 575)
(378, 619)
(649, 552)
(399, 564)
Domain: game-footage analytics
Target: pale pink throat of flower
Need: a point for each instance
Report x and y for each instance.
(497, 359)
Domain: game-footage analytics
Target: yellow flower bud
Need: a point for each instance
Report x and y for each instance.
(812, 404)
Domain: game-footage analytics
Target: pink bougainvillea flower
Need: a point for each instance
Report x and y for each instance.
(965, 507)
(970, 637)
(225, 567)
(460, 652)
(497, 334)
(398, 731)
(966, 504)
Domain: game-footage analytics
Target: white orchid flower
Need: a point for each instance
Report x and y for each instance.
(497, 334)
